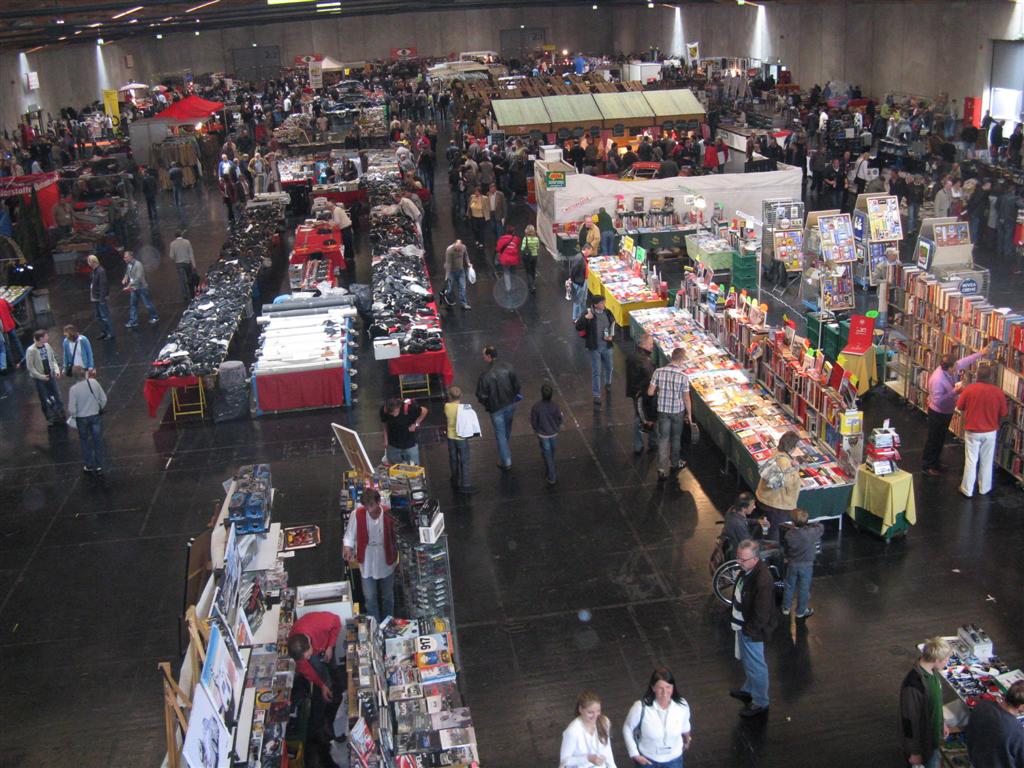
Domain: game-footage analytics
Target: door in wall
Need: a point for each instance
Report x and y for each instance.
(520, 43)
(260, 63)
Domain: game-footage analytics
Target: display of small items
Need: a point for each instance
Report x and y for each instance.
(974, 672)
(272, 673)
(882, 450)
(249, 507)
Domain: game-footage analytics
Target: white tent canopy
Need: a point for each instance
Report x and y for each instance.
(331, 65)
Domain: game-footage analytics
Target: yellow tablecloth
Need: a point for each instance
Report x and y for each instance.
(864, 367)
(619, 311)
(884, 496)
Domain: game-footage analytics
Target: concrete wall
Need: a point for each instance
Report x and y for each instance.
(882, 46)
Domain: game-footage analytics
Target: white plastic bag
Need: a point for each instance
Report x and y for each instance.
(471, 275)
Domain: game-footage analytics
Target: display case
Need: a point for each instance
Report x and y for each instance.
(876, 227)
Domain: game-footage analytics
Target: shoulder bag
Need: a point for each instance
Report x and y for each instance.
(69, 364)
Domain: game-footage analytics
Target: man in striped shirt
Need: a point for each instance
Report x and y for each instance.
(672, 386)
(753, 620)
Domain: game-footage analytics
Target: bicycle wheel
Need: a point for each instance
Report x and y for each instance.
(725, 579)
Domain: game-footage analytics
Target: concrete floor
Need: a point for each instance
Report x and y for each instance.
(587, 585)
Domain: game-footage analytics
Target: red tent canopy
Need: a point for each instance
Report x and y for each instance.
(190, 109)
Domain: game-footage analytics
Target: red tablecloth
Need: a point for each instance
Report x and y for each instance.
(155, 389)
(324, 388)
(311, 239)
(425, 362)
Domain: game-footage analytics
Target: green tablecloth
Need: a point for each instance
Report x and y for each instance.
(658, 239)
(818, 502)
(717, 260)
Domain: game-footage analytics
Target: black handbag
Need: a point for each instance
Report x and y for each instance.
(69, 364)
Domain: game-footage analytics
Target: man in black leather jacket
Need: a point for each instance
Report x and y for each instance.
(497, 389)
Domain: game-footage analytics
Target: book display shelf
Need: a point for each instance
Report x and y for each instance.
(939, 318)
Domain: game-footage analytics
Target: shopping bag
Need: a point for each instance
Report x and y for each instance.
(694, 433)
(72, 423)
(471, 275)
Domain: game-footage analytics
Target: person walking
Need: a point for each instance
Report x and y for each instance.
(401, 418)
(370, 541)
(577, 289)
(800, 546)
(779, 485)
(99, 291)
(508, 256)
(983, 405)
(922, 728)
(76, 350)
(134, 282)
(86, 401)
(657, 728)
(343, 222)
(497, 390)
(479, 213)
(529, 250)
(456, 266)
(177, 178)
(672, 386)
(458, 445)
(753, 621)
(639, 369)
(586, 741)
(943, 198)
(546, 420)
(184, 262)
(498, 207)
(258, 170)
(994, 736)
(597, 327)
(43, 369)
(150, 186)
(943, 390)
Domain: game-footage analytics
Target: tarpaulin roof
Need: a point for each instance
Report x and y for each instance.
(190, 109)
(677, 104)
(630, 109)
(521, 115)
(576, 111)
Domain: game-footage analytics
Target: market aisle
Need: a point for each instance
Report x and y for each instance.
(585, 585)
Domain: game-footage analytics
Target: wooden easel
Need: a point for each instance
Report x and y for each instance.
(199, 633)
(176, 704)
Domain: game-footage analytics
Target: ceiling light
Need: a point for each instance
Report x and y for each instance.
(565, 51)
(650, 5)
(128, 12)
(522, 26)
(159, 36)
(197, 33)
(78, 32)
(133, 21)
(329, 4)
(37, 48)
(58, 21)
(166, 18)
(202, 5)
(99, 41)
(93, 26)
(594, 6)
(287, 2)
(254, 45)
(62, 39)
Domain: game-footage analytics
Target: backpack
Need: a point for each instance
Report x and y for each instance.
(772, 474)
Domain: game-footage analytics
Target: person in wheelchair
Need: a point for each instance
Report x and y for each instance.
(739, 526)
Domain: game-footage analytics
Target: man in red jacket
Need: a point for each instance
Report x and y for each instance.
(311, 643)
(983, 405)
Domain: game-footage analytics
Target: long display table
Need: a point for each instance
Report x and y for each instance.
(827, 488)
(612, 279)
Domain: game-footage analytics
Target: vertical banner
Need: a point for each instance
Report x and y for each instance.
(693, 52)
(110, 106)
(316, 75)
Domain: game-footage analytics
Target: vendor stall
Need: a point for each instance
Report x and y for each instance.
(621, 283)
(518, 117)
(740, 416)
(319, 240)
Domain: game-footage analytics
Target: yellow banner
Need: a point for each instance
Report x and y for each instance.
(110, 105)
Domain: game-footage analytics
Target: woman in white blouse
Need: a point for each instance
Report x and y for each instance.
(586, 743)
(657, 728)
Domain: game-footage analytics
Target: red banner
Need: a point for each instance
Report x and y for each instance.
(862, 332)
(403, 53)
(45, 185)
(304, 60)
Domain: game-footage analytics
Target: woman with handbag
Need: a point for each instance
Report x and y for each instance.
(458, 446)
(77, 351)
(586, 742)
(86, 402)
(657, 729)
(507, 250)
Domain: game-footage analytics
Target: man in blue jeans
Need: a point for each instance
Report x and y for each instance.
(672, 386)
(800, 544)
(753, 620)
(597, 327)
(497, 390)
(456, 264)
(134, 281)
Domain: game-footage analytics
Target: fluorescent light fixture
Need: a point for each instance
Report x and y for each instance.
(522, 26)
(197, 33)
(58, 21)
(254, 45)
(202, 5)
(329, 4)
(328, 10)
(99, 41)
(78, 32)
(594, 7)
(650, 5)
(93, 26)
(129, 12)
(62, 39)
(37, 48)
(133, 21)
(166, 18)
(287, 2)
(159, 36)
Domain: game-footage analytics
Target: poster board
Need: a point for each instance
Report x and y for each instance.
(208, 741)
(954, 233)
(925, 251)
(788, 247)
(227, 598)
(352, 447)
(836, 235)
(223, 675)
(884, 218)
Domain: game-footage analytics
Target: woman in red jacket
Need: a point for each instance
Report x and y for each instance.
(710, 157)
(507, 251)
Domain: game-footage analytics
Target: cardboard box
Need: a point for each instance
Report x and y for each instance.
(386, 349)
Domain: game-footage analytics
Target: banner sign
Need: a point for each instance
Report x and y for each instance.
(693, 52)
(110, 106)
(304, 60)
(554, 179)
(403, 53)
(316, 75)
